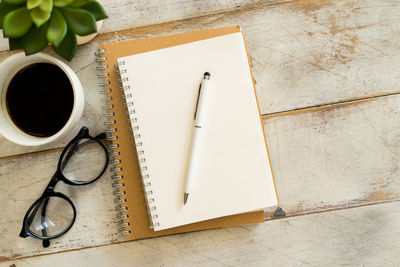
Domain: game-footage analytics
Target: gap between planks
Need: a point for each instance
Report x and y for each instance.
(325, 105)
(263, 117)
(107, 36)
(153, 29)
(237, 8)
(17, 257)
(269, 215)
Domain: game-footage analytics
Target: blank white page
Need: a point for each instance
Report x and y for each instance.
(233, 174)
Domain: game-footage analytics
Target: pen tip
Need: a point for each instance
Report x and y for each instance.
(207, 74)
(185, 198)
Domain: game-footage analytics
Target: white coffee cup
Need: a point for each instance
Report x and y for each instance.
(8, 68)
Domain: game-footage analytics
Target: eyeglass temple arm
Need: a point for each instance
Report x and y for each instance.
(50, 187)
(32, 215)
(46, 243)
(30, 220)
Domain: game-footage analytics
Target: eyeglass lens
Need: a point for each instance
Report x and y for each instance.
(50, 217)
(84, 161)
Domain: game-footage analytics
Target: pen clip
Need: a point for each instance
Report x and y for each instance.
(197, 102)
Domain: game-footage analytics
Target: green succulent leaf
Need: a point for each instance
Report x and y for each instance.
(62, 3)
(46, 5)
(31, 4)
(35, 40)
(80, 21)
(17, 23)
(67, 48)
(4, 10)
(15, 43)
(40, 17)
(14, 2)
(57, 28)
(96, 9)
(79, 3)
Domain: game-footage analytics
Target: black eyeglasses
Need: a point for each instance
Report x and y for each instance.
(83, 161)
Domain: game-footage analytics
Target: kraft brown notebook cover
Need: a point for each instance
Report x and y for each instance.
(135, 222)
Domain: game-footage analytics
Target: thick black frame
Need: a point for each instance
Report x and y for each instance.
(58, 176)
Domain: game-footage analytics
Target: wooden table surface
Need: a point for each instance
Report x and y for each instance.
(327, 76)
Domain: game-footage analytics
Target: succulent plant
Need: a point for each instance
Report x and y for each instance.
(34, 24)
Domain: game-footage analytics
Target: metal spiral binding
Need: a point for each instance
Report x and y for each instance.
(126, 85)
(116, 177)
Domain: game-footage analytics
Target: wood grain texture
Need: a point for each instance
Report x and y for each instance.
(337, 156)
(309, 52)
(363, 236)
(327, 158)
(125, 14)
(304, 53)
(23, 180)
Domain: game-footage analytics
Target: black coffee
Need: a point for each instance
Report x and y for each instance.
(39, 99)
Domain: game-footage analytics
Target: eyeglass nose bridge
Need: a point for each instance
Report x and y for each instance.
(53, 182)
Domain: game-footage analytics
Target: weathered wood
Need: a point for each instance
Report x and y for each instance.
(365, 236)
(323, 159)
(22, 182)
(337, 156)
(125, 14)
(309, 52)
(303, 54)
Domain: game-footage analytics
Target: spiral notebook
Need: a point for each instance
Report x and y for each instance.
(138, 163)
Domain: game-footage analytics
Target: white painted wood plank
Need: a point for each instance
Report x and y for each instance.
(308, 53)
(337, 156)
(125, 14)
(316, 52)
(302, 53)
(367, 236)
(327, 158)
(323, 159)
(24, 179)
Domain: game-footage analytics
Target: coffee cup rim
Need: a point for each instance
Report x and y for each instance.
(20, 137)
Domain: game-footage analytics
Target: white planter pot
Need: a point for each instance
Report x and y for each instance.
(85, 39)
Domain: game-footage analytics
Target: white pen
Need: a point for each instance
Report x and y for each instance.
(198, 124)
